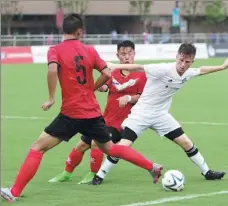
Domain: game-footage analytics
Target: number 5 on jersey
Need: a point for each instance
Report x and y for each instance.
(80, 69)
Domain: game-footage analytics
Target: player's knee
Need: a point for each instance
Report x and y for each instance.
(128, 136)
(184, 142)
(45, 142)
(82, 146)
(125, 142)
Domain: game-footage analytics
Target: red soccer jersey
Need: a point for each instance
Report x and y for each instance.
(76, 63)
(120, 85)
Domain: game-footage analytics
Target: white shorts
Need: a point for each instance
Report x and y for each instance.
(162, 124)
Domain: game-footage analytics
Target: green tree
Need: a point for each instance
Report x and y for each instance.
(143, 9)
(8, 10)
(215, 12)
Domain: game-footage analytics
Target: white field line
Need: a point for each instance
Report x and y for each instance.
(182, 122)
(177, 198)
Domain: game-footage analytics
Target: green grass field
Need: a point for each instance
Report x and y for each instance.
(203, 99)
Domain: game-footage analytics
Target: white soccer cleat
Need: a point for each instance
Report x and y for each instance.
(7, 195)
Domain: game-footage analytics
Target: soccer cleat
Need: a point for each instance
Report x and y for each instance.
(156, 172)
(63, 177)
(88, 178)
(7, 195)
(213, 175)
(96, 180)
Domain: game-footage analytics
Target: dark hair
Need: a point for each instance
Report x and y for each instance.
(125, 44)
(187, 49)
(71, 23)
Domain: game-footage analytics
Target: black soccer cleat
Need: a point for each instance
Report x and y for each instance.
(96, 180)
(213, 175)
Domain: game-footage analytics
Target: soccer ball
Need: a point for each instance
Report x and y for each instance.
(173, 180)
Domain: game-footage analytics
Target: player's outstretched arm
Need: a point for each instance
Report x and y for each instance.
(129, 67)
(210, 69)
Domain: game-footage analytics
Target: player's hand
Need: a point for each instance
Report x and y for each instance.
(103, 88)
(47, 104)
(225, 64)
(123, 101)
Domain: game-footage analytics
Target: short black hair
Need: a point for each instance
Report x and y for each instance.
(126, 43)
(187, 49)
(71, 23)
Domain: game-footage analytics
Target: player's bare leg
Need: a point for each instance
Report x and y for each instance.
(73, 160)
(187, 145)
(128, 154)
(96, 158)
(30, 166)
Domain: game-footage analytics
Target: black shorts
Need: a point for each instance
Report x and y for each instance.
(114, 135)
(64, 128)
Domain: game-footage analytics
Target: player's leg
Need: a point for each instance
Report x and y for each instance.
(171, 129)
(59, 130)
(193, 153)
(96, 158)
(128, 137)
(101, 137)
(73, 160)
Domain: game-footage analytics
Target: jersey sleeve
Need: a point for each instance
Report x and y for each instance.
(155, 70)
(99, 63)
(193, 72)
(52, 56)
(141, 83)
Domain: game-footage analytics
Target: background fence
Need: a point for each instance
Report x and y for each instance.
(33, 40)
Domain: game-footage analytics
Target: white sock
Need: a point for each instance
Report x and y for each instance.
(200, 162)
(105, 168)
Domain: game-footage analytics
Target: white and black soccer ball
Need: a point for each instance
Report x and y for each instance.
(173, 180)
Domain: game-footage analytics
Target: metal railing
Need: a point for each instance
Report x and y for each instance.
(33, 40)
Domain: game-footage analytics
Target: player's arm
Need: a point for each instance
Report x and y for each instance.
(104, 77)
(52, 78)
(210, 69)
(101, 66)
(124, 100)
(128, 67)
(134, 98)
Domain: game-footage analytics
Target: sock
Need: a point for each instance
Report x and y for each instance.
(107, 166)
(73, 160)
(26, 172)
(130, 155)
(96, 158)
(198, 159)
(113, 160)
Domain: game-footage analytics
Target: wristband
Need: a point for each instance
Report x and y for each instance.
(129, 98)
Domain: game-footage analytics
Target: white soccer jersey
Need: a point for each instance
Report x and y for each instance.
(163, 82)
(151, 110)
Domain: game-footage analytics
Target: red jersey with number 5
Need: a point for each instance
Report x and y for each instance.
(76, 63)
(120, 85)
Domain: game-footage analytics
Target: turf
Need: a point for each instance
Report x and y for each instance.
(203, 99)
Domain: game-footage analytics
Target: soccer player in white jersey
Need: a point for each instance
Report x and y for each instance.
(152, 108)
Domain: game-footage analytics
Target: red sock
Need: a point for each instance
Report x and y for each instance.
(27, 171)
(96, 158)
(73, 160)
(130, 155)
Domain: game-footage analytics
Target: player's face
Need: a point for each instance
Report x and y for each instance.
(183, 62)
(126, 55)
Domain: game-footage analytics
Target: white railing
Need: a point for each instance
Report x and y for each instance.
(32, 40)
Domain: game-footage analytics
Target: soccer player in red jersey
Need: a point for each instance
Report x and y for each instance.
(124, 91)
(73, 63)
